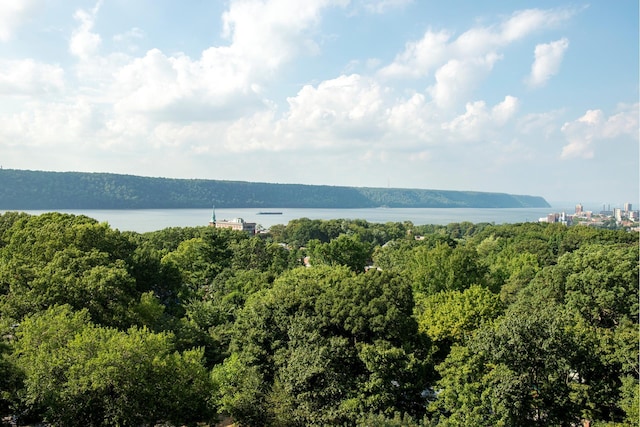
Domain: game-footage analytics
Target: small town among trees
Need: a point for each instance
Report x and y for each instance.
(316, 323)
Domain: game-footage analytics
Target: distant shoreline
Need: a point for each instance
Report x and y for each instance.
(33, 190)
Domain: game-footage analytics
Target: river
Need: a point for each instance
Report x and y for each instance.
(143, 220)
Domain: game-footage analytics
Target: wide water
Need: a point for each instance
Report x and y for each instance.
(142, 220)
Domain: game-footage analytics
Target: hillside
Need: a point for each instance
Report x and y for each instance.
(24, 190)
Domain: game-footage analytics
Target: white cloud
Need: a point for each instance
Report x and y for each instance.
(356, 114)
(63, 125)
(505, 110)
(421, 57)
(413, 120)
(28, 77)
(345, 99)
(226, 80)
(548, 58)
(345, 110)
(178, 88)
(84, 42)
(151, 82)
(623, 123)
(523, 23)
(457, 77)
(459, 64)
(12, 14)
(478, 121)
(163, 100)
(270, 33)
(582, 134)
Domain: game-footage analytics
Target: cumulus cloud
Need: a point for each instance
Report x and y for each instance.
(456, 77)
(347, 108)
(343, 99)
(224, 81)
(458, 64)
(269, 33)
(548, 58)
(421, 57)
(12, 14)
(28, 77)
(505, 110)
(166, 100)
(84, 42)
(179, 88)
(353, 112)
(413, 120)
(478, 120)
(263, 35)
(583, 134)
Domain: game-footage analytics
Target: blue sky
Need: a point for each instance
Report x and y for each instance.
(528, 97)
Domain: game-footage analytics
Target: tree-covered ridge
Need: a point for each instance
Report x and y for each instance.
(338, 322)
(25, 190)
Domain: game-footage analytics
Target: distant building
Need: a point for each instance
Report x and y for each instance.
(617, 213)
(550, 218)
(579, 209)
(628, 207)
(238, 224)
(558, 217)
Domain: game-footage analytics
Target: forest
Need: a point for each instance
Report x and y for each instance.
(41, 190)
(317, 323)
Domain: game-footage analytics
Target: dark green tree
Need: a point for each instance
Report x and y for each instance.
(519, 372)
(325, 345)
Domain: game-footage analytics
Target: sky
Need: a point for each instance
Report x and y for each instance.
(527, 97)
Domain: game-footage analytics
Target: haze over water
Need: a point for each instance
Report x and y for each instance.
(143, 220)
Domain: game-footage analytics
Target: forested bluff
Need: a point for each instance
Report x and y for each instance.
(317, 323)
(40, 190)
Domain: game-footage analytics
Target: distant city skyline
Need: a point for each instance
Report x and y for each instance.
(534, 97)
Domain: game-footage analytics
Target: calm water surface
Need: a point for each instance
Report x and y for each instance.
(142, 220)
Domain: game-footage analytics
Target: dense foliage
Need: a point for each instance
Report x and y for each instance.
(339, 322)
(21, 189)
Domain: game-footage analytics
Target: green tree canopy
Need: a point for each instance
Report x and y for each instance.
(80, 374)
(325, 344)
(347, 250)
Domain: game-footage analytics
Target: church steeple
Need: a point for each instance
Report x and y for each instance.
(212, 221)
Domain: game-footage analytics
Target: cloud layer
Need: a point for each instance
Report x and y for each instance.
(223, 110)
